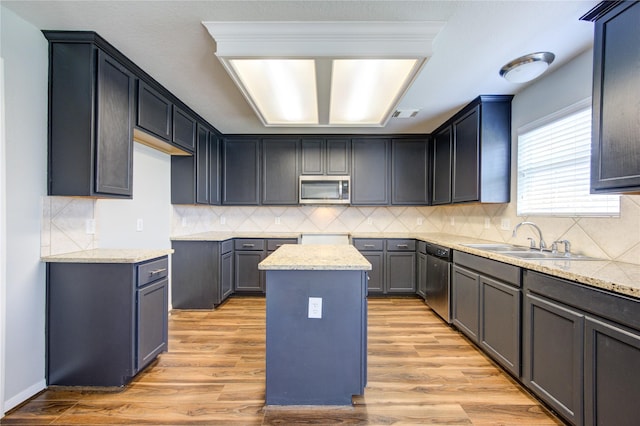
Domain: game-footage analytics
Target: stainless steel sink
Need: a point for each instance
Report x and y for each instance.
(527, 253)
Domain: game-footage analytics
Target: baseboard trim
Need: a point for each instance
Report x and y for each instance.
(13, 402)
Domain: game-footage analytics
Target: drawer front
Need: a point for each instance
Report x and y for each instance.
(153, 270)
(367, 244)
(401, 245)
(226, 246)
(275, 243)
(503, 271)
(249, 244)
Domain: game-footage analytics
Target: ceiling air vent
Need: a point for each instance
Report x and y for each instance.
(405, 113)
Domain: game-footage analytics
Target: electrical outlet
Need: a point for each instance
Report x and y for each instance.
(277, 220)
(223, 220)
(452, 220)
(505, 224)
(90, 226)
(183, 222)
(139, 225)
(369, 221)
(315, 307)
(419, 221)
(487, 223)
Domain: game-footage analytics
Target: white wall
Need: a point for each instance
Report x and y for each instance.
(116, 220)
(24, 50)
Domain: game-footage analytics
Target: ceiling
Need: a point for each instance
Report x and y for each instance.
(167, 40)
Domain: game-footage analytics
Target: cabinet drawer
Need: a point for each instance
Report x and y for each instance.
(274, 244)
(153, 270)
(249, 244)
(401, 245)
(226, 246)
(365, 244)
(505, 272)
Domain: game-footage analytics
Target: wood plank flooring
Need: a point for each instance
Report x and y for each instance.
(420, 371)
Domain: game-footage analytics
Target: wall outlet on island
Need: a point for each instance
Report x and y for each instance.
(315, 307)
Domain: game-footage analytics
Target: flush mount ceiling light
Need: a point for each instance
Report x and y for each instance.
(527, 67)
(323, 73)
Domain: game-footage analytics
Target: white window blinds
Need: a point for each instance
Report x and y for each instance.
(554, 157)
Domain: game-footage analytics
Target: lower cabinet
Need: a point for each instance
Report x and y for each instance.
(421, 284)
(202, 273)
(486, 298)
(581, 350)
(248, 253)
(105, 321)
(393, 264)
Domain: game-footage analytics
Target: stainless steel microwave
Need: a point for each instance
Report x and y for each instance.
(325, 190)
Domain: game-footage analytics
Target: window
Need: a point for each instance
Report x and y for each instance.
(554, 156)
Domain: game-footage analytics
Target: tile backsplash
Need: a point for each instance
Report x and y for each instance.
(64, 224)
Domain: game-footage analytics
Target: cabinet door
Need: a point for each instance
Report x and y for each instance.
(500, 323)
(422, 276)
(184, 129)
(153, 311)
(465, 294)
(441, 169)
(370, 172)
(615, 161)
(154, 112)
(375, 284)
(338, 157)
(214, 169)
(465, 157)
(312, 157)
(612, 374)
(194, 274)
(409, 172)
(247, 276)
(202, 166)
(553, 348)
(241, 171)
(401, 272)
(226, 275)
(114, 136)
(280, 171)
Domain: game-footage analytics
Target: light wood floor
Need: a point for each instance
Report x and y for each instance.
(420, 372)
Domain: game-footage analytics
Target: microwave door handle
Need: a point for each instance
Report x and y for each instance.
(339, 190)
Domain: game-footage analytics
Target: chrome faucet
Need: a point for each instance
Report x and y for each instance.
(567, 247)
(543, 245)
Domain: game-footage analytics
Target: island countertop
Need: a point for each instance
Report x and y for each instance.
(108, 256)
(308, 257)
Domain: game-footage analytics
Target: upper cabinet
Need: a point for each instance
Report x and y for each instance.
(154, 112)
(184, 129)
(479, 159)
(615, 146)
(241, 171)
(410, 172)
(370, 172)
(280, 171)
(325, 157)
(91, 105)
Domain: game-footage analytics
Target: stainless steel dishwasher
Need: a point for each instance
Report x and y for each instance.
(438, 280)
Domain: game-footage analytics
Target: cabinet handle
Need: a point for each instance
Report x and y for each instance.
(157, 271)
(248, 245)
(402, 245)
(369, 245)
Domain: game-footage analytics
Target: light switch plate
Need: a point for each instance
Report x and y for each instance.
(315, 307)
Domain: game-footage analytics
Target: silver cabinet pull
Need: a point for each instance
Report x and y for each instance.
(248, 245)
(157, 271)
(369, 245)
(402, 245)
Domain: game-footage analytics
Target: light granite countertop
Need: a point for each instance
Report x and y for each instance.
(108, 256)
(314, 257)
(619, 277)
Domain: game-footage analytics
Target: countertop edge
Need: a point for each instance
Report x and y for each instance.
(107, 256)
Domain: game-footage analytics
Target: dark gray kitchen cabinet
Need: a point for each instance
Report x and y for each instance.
(553, 345)
(248, 253)
(105, 321)
(325, 157)
(441, 166)
(465, 299)
(373, 250)
(370, 175)
(421, 284)
(91, 105)
(184, 129)
(494, 322)
(615, 147)
(241, 171)
(202, 158)
(400, 266)
(481, 162)
(280, 171)
(199, 273)
(581, 350)
(154, 112)
(410, 172)
(612, 374)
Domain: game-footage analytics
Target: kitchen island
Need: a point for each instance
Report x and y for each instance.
(316, 346)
